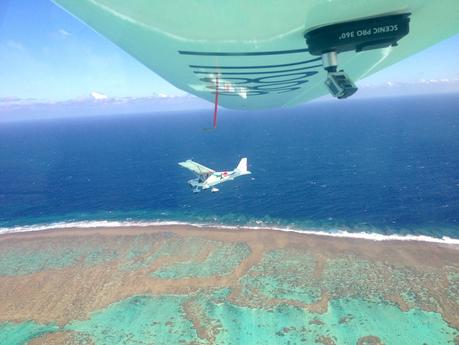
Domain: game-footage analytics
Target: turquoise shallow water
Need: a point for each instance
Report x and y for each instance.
(20, 333)
(161, 320)
(346, 321)
(273, 302)
(138, 320)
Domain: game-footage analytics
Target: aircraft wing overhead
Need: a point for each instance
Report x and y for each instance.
(254, 52)
(197, 168)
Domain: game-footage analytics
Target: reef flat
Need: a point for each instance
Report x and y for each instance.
(188, 285)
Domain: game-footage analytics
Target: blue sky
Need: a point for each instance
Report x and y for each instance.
(43, 48)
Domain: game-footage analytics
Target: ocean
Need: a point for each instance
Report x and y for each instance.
(387, 166)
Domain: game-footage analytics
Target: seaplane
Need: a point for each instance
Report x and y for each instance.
(207, 178)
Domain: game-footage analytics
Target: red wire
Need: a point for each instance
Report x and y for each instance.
(216, 103)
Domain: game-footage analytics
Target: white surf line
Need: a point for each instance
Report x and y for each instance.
(372, 236)
(87, 225)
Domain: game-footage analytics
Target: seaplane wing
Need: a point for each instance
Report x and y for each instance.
(196, 168)
(266, 53)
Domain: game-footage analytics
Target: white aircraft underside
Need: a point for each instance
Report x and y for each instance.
(256, 49)
(207, 178)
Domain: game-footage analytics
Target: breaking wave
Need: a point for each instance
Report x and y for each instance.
(373, 236)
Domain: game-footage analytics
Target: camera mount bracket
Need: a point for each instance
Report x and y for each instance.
(358, 35)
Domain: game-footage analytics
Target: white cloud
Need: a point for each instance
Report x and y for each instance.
(98, 96)
(63, 33)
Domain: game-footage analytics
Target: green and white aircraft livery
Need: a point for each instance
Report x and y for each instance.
(254, 53)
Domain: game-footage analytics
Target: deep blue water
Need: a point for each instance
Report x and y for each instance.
(386, 165)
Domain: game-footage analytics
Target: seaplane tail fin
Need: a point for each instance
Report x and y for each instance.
(242, 167)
